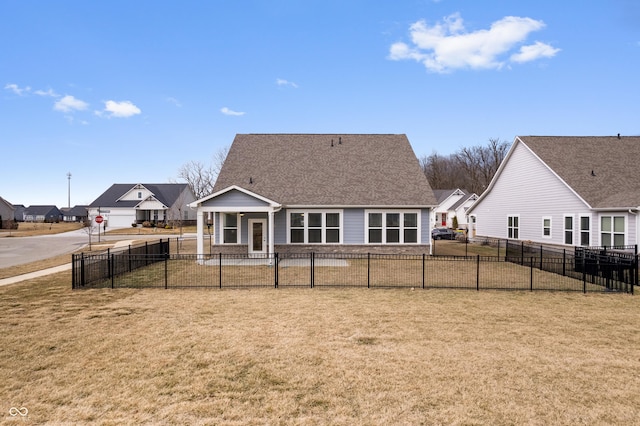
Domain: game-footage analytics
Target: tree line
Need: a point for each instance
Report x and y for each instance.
(469, 168)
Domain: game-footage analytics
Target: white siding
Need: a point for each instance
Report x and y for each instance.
(528, 189)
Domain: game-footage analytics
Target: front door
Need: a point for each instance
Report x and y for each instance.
(257, 237)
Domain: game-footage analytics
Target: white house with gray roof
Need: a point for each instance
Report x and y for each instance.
(318, 192)
(564, 190)
(124, 204)
(452, 203)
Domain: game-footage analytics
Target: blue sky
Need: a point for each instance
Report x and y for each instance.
(128, 91)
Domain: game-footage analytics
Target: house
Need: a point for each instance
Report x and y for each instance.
(75, 214)
(47, 214)
(125, 204)
(564, 190)
(320, 193)
(7, 211)
(452, 203)
(19, 212)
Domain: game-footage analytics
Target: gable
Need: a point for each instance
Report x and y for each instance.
(327, 170)
(602, 170)
(234, 198)
(136, 193)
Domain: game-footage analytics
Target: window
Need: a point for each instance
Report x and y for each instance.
(230, 228)
(546, 227)
(568, 230)
(139, 195)
(612, 231)
(585, 230)
(391, 227)
(312, 227)
(513, 227)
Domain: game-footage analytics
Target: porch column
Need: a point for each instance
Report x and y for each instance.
(200, 234)
(272, 234)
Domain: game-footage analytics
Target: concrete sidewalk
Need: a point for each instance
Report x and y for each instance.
(36, 274)
(53, 270)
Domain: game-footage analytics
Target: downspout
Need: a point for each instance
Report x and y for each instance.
(637, 225)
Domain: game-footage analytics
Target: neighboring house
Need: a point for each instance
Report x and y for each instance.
(7, 211)
(19, 212)
(564, 190)
(318, 192)
(75, 214)
(42, 214)
(124, 204)
(452, 203)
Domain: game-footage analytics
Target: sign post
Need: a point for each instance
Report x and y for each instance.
(99, 220)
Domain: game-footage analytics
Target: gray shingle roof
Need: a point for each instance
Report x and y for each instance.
(614, 183)
(305, 170)
(166, 193)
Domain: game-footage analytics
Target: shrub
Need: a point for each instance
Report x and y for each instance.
(146, 224)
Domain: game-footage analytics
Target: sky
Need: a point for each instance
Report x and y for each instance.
(129, 91)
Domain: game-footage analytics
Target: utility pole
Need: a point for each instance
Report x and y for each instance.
(69, 190)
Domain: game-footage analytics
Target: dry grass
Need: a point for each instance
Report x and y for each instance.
(322, 356)
(30, 229)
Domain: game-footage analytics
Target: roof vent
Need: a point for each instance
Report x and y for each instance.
(251, 180)
(340, 140)
(593, 173)
(618, 135)
(332, 143)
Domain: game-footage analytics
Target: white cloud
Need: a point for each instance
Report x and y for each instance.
(16, 89)
(227, 111)
(122, 109)
(447, 46)
(69, 103)
(174, 101)
(533, 52)
(283, 82)
(48, 92)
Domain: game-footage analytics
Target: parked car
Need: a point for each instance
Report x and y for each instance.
(443, 234)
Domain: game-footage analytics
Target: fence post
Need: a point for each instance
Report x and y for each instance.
(564, 262)
(423, 257)
(277, 266)
(478, 272)
(499, 249)
(109, 263)
(312, 258)
(111, 266)
(166, 276)
(129, 258)
(584, 274)
(220, 270)
(541, 255)
(73, 271)
(82, 282)
(531, 272)
(368, 270)
(522, 253)
(634, 280)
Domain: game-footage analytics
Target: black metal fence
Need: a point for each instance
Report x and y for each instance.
(89, 269)
(314, 270)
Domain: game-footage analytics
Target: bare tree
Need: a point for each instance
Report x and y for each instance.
(201, 177)
(470, 168)
(88, 226)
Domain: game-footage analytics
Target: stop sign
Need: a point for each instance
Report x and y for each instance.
(99, 219)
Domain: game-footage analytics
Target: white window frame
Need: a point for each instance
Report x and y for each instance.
(565, 229)
(550, 219)
(511, 228)
(323, 227)
(581, 231)
(401, 227)
(612, 233)
(224, 227)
